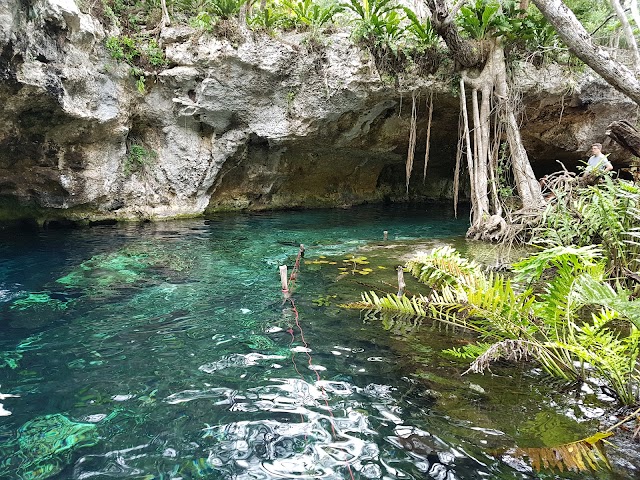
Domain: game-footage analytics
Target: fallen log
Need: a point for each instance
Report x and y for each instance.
(625, 134)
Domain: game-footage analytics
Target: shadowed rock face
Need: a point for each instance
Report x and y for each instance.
(262, 125)
(569, 113)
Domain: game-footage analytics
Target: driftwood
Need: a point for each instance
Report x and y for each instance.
(625, 135)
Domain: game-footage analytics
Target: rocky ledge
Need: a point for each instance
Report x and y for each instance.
(256, 123)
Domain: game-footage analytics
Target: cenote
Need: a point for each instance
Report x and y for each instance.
(164, 351)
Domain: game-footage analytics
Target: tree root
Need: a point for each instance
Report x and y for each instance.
(493, 229)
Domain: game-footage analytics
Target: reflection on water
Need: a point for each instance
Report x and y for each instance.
(164, 351)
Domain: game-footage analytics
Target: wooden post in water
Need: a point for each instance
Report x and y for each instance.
(284, 279)
(401, 283)
(385, 235)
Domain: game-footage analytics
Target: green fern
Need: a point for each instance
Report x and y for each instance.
(515, 323)
(444, 266)
(468, 352)
(606, 214)
(496, 309)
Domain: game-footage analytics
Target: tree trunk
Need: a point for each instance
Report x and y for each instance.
(628, 32)
(467, 53)
(485, 75)
(166, 21)
(626, 135)
(578, 40)
(635, 13)
(526, 181)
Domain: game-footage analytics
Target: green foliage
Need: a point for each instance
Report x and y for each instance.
(468, 352)
(444, 266)
(123, 48)
(216, 8)
(379, 27)
(539, 317)
(137, 159)
(611, 355)
(141, 86)
(424, 33)
(138, 52)
(227, 8)
(482, 19)
(154, 53)
(539, 39)
(376, 19)
(203, 21)
(115, 49)
(271, 17)
(314, 15)
(371, 11)
(607, 214)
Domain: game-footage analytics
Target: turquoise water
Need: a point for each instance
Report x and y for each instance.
(164, 351)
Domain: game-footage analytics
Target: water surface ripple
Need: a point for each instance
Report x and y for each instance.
(164, 351)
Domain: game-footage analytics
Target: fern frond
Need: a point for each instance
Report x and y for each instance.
(444, 266)
(468, 352)
(589, 291)
(491, 308)
(512, 350)
(583, 455)
(575, 259)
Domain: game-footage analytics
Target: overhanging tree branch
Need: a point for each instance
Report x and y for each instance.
(579, 41)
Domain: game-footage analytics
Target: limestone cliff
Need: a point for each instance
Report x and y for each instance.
(258, 123)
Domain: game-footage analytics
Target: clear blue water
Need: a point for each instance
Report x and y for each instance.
(164, 351)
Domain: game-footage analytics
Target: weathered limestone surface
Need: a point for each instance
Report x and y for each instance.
(262, 124)
(565, 112)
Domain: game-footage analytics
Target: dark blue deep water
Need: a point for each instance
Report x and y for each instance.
(164, 351)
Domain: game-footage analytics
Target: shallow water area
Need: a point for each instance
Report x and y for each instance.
(165, 351)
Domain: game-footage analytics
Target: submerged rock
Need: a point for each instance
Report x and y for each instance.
(45, 445)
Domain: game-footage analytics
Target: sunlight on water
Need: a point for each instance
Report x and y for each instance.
(164, 351)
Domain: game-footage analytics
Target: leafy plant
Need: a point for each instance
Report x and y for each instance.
(271, 17)
(114, 48)
(377, 19)
(538, 316)
(123, 48)
(137, 158)
(606, 214)
(312, 14)
(203, 21)
(482, 19)
(155, 54)
(139, 53)
(444, 266)
(424, 33)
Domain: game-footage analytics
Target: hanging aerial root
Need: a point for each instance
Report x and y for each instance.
(428, 141)
(412, 141)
